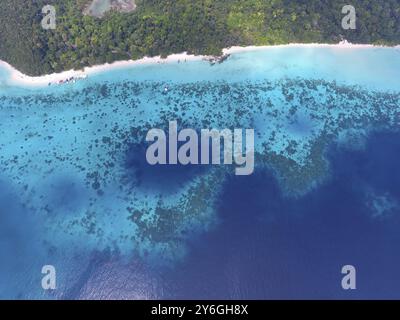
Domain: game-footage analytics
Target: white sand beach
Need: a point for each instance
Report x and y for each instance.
(19, 79)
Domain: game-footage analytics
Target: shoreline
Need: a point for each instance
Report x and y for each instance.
(17, 78)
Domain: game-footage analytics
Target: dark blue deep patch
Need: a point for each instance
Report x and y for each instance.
(19, 248)
(65, 195)
(163, 178)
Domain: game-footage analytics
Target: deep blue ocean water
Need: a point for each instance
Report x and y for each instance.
(76, 191)
(271, 247)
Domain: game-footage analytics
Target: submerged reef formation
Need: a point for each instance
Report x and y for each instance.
(77, 158)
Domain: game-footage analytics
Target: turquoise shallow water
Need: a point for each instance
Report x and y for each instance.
(73, 177)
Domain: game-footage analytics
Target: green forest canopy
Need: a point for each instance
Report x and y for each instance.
(163, 27)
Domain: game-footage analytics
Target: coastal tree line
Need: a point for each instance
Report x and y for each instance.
(162, 27)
